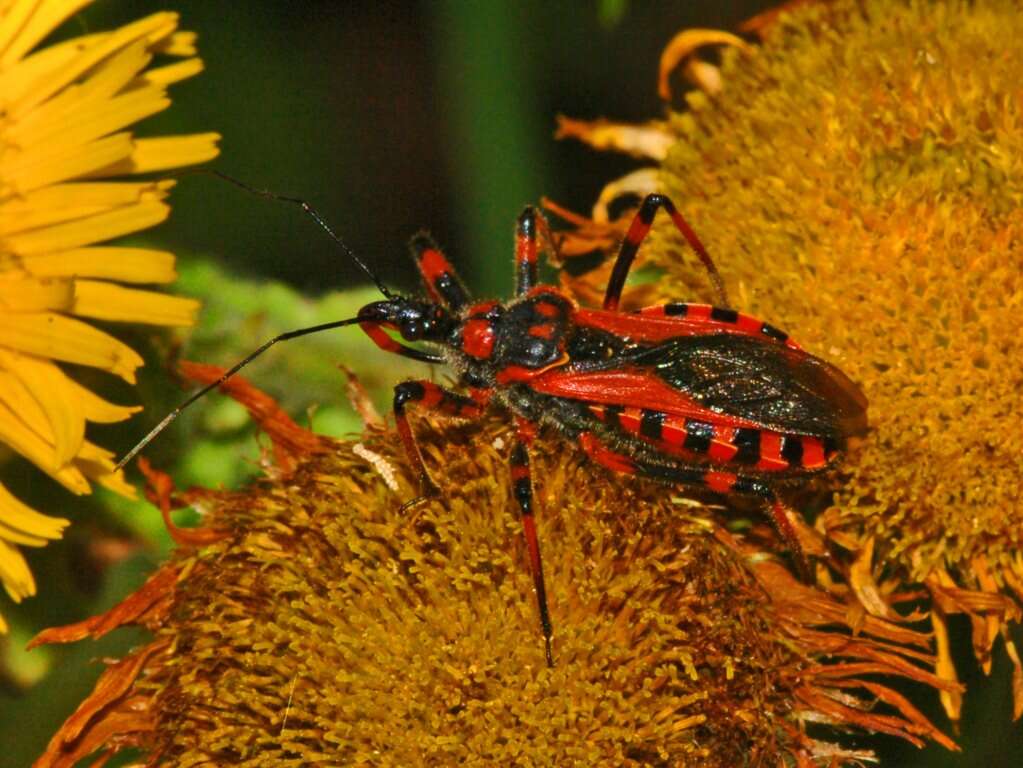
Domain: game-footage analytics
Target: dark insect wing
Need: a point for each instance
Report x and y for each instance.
(776, 386)
(717, 370)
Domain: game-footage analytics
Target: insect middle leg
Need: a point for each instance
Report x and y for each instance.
(432, 396)
(638, 231)
(697, 476)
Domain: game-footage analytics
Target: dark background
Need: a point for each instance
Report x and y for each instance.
(388, 118)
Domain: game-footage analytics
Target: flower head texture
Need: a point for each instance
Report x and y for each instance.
(858, 178)
(314, 622)
(66, 116)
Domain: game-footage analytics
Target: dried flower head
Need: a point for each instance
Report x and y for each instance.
(65, 132)
(316, 623)
(858, 177)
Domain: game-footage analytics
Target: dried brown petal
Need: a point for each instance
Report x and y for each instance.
(684, 45)
(289, 440)
(147, 607)
(108, 714)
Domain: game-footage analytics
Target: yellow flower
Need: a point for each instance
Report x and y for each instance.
(65, 129)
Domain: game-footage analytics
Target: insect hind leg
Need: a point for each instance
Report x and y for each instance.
(699, 476)
(638, 231)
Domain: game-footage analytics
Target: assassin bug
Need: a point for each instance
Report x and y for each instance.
(688, 394)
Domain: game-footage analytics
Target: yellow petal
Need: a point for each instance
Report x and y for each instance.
(168, 152)
(97, 464)
(24, 408)
(94, 120)
(48, 335)
(52, 391)
(128, 265)
(178, 44)
(106, 301)
(21, 524)
(173, 73)
(99, 194)
(33, 425)
(45, 18)
(14, 536)
(104, 46)
(67, 202)
(46, 164)
(12, 20)
(98, 410)
(107, 80)
(23, 75)
(93, 229)
(14, 573)
(111, 76)
(35, 294)
(161, 36)
(14, 433)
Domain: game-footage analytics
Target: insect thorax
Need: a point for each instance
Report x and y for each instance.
(499, 343)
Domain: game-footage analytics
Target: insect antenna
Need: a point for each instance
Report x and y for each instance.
(227, 375)
(305, 206)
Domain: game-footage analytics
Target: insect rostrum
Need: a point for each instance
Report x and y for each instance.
(688, 394)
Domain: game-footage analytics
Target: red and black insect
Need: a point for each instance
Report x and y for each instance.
(689, 394)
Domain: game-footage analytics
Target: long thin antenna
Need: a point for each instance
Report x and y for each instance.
(227, 375)
(267, 194)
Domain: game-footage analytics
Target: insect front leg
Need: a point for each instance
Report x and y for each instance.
(638, 231)
(432, 396)
(525, 251)
(379, 337)
(439, 277)
(522, 488)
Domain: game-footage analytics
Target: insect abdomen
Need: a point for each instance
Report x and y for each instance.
(762, 450)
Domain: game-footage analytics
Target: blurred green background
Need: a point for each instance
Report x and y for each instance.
(388, 118)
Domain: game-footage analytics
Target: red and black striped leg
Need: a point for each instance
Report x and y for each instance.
(720, 317)
(525, 251)
(430, 395)
(440, 278)
(696, 476)
(638, 231)
(522, 488)
(381, 338)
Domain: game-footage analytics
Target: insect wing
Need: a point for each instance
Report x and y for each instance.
(778, 387)
(629, 386)
(729, 379)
